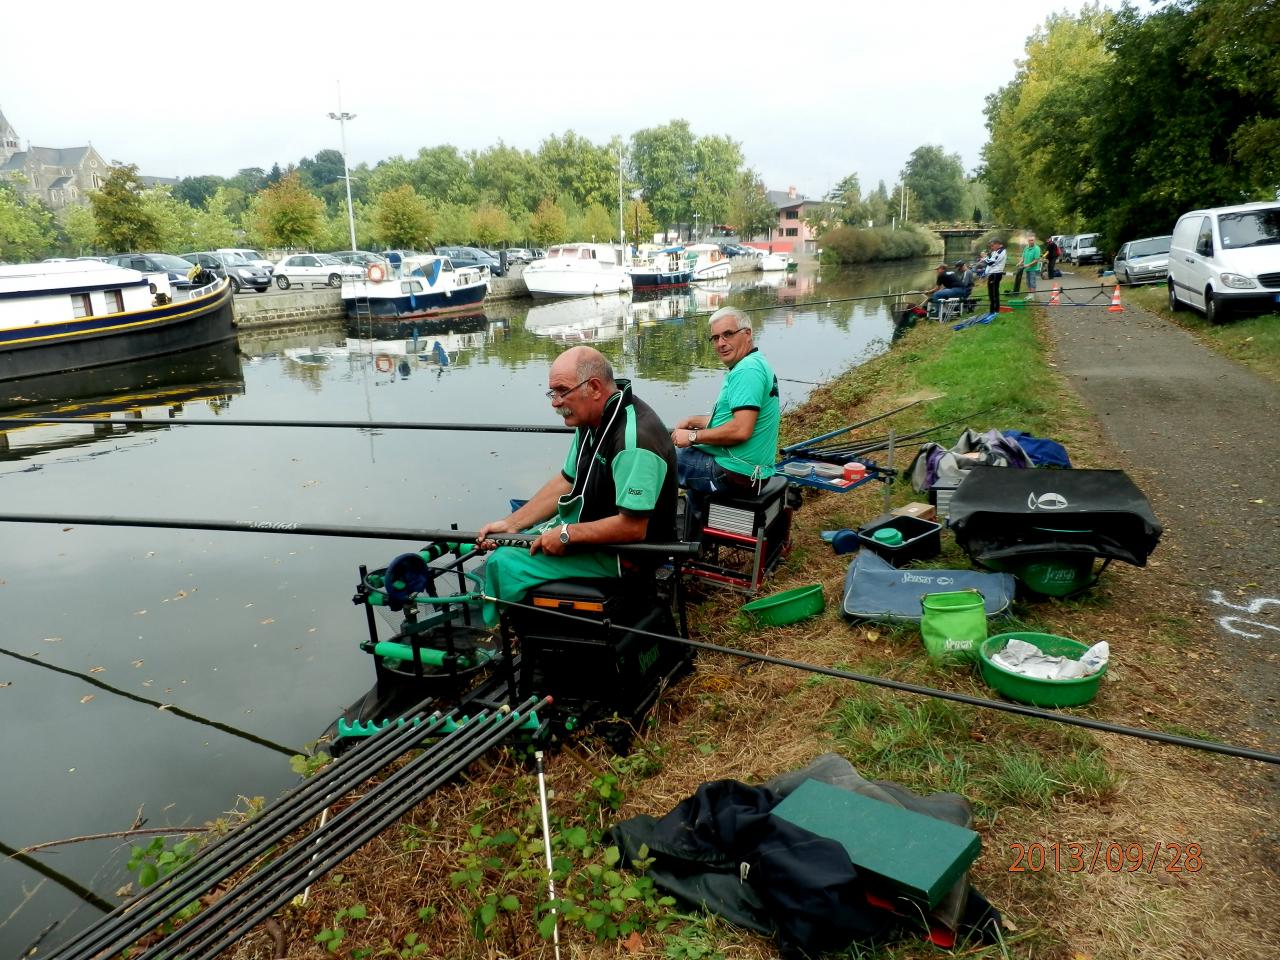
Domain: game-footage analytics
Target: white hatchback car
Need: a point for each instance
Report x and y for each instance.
(314, 268)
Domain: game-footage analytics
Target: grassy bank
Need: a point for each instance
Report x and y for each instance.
(460, 876)
(850, 245)
(1254, 341)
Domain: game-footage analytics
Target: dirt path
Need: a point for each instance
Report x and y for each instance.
(1202, 437)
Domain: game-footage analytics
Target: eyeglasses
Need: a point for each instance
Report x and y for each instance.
(561, 394)
(717, 337)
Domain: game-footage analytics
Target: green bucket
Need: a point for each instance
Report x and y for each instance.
(787, 607)
(1032, 690)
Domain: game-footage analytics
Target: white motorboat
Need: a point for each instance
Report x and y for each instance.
(770, 262)
(581, 320)
(706, 261)
(578, 270)
(426, 285)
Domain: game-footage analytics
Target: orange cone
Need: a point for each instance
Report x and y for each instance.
(1056, 299)
(1115, 301)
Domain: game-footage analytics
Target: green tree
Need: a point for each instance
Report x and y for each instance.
(402, 218)
(79, 228)
(441, 173)
(549, 225)
(937, 178)
(123, 221)
(662, 162)
(212, 225)
(26, 226)
(287, 215)
(490, 225)
(598, 225)
(717, 163)
(639, 222)
(578, 167)
(194, 191)
(877, 206)
(508, 177)
(453, 223)
(174, 221)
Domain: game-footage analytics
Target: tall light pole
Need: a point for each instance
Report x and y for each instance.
(342, 117)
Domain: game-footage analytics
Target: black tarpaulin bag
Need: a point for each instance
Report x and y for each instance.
(1001, 516)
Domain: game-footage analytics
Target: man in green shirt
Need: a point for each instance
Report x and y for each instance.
(736, 445)
(1031, 257)
(617, 485)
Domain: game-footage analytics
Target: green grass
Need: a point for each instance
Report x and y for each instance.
(1253, 341)
(994, 760)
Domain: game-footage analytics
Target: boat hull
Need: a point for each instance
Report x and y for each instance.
(575, 282)
(89, 342)
(410, 306)
(651, 280)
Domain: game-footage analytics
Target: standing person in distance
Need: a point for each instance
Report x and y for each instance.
(1031, 257)
(994, 262)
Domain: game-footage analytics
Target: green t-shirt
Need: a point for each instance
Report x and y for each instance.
(1030, 255)
(637, 472)
(750, 385)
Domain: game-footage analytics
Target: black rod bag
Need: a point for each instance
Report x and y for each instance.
(1000, 514)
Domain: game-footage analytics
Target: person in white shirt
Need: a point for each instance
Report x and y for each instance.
(994, 262)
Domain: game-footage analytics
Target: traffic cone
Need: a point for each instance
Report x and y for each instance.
(1056, 299)
(1115, 301)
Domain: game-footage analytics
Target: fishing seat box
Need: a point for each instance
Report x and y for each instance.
(754, 527)
(590, 656)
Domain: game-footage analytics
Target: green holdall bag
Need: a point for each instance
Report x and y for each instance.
(953, 625)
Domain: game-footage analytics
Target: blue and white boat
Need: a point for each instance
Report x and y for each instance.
(664, 268)
(427, 285)
(83, 314)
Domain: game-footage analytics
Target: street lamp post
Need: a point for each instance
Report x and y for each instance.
(342, 117)
(696, 234)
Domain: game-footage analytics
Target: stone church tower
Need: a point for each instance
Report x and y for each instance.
(60, 176)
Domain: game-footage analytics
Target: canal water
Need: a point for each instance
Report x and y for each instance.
(156, 676)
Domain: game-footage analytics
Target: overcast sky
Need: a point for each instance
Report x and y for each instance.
(812, 90)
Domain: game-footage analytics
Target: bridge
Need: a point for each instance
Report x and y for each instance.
(957, 241)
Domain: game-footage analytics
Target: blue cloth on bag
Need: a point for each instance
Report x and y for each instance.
(1043, 453)
(876, 590)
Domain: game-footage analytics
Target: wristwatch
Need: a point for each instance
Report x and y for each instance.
(564, 534)
(693, 437)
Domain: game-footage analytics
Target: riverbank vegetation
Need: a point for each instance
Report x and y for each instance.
(853, 245)
(463, 872)
(1120, 121)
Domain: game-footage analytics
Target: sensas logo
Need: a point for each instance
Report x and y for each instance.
(1046, 501)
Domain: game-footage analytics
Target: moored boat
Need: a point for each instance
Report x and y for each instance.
(581, 320)
(578, 270)
(82, 314)
(770, 262)
(706, 261)
(664, 268)
(426, 285)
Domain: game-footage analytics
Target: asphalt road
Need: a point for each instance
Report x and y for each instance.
(1202, 439)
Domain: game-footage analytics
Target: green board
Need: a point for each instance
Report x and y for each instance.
(911, 853)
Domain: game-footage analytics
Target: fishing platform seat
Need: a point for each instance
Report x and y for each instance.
(752, 529)
(581, 643)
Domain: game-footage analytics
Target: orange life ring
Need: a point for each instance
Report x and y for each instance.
(382, 362)
(377, 273)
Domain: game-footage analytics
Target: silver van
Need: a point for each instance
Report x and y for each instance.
(1225, 259)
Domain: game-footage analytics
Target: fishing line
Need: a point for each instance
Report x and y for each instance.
(1065, 718)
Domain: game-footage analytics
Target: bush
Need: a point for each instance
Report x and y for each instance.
(852, 245)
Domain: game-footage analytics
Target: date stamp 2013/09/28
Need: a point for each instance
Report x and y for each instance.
(1105, 857)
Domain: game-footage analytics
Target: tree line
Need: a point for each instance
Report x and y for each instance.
(1121, 121)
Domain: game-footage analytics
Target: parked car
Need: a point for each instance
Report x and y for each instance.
(167, 263)
(1084, 248)
(364, 259)
(1226, 259)
(253, 256)
(519, 255)
(314, 268)
(1141, 260)
(471, 257)
(236, 268)
(1064, 247)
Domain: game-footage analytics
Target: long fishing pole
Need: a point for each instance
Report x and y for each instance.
(324, 424)
(860, 423)
(361, 533)
(1230, 750)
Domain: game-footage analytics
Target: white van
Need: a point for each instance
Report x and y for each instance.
(1226, 258)
(1084, 248)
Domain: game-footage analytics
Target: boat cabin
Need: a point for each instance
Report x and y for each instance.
(586, 251)
(36, 293)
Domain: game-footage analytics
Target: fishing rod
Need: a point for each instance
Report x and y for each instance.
(324, 424)
(859, 424)
(166, 707)
(1102, 726)
(361, 533)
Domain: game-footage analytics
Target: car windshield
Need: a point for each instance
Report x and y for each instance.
(233, 260)
(1251, 228)
(326, 260)
(170, 262)
(1149, 248)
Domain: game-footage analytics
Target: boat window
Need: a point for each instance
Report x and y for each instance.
(446, 265)
(564, 252)
(410, 286)
(80, 304)
(587, 254)
(114, 300)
